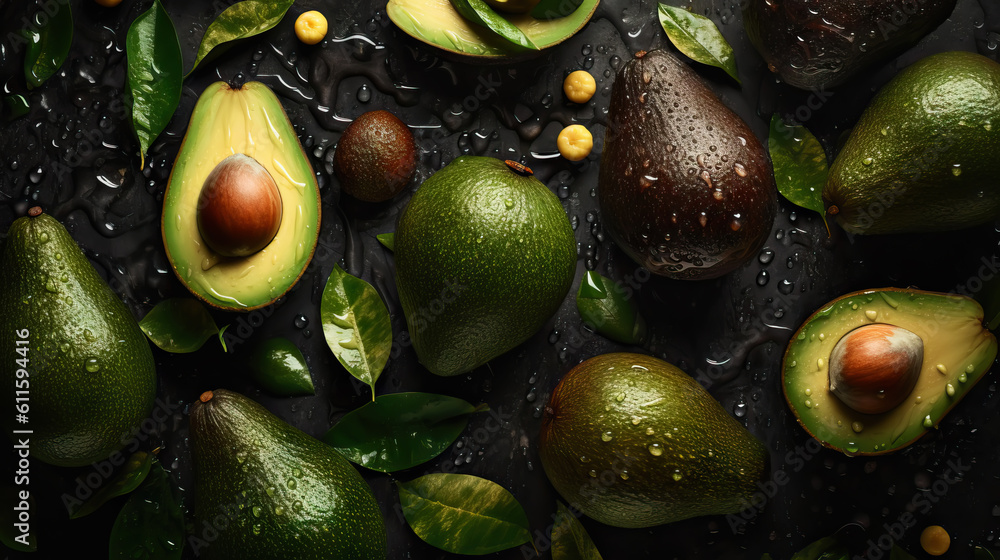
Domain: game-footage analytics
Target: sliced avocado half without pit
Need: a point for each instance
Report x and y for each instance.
(938, 341)
(437, 23)
(228, 123)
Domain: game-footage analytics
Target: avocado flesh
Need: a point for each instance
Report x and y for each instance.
(633, 441)
(92, 377)
(819, 44)
(923, 156)
(958, 351)
(436, 23)
(285, 493)
(484, 257)
(227, 121)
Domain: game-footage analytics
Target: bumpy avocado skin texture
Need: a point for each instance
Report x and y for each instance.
(86, 366)
(958, 351)
(250, 120)
(286, 494)
(633, 441)
(923, 156)
(816, 45)
(685, 187)
(484, 257)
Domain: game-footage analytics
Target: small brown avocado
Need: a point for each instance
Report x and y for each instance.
(376, 157)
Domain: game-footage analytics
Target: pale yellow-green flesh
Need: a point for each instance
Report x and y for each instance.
(436, 23)
(249, 121)
(958, 350)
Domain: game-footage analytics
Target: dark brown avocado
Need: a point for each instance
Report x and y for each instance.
(685, 187)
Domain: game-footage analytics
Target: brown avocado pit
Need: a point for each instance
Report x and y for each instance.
(239, 208)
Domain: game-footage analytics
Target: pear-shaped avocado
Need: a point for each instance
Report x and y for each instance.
(819, 44)
(241, 211)
(80, 375)
(484, 257)
(923, 156)
(633, 441)
(281, 492)
(872, 371)
(685, 187)
(437, 23)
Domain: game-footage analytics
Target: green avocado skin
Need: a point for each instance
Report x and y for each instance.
(280, 492)
(484, 257)
(633, 441)
(87, 370)
(923, 156)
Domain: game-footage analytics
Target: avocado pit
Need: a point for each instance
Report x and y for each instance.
(239, 207)
(873, 368)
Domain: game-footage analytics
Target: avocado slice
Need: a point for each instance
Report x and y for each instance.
(437, 23)
(957, 352)
(230, 120)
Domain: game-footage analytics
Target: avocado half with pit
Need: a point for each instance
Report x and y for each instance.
(241, 212)
(873, 371)
(437, 23)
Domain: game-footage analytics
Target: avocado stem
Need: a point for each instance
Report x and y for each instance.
(35, 211)
(519, 168)
(640, 54)
(206, 396)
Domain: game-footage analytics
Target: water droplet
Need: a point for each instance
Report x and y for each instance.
(971, 368)
(857, 426)
(942, 369)
(241, 457)
(650, 431)
(808, 392)
(740, 169)
(950, 390)
(655, 450)
(592, 473)
(292, 484)
(270, 491)
(278, 510)
(256, 511)
(786, 287)
(636, 420)
(677, 476)
(584, 459)
(51, 286)
(256, 528)
(956, 169)
(808, 403)
(620, 397)
(364, 93)
(623, 475)
(740, 409)
(646, 77)
(766, 256)
(867, 161)
(928, 423)
(92, 365)
(58, 256)
(762, 278)
(871, 314)
(44, 237)
(509, 203)
(607, 436)
(852, 447)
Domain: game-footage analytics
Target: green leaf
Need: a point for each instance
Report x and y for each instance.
(480, 13)
(12, 507)
(151, 525)
(222, 338)
(16, 106)
(239, 21)
(155, 74)
(356, 326)
(400, 430)
(463, 514)
(50, 37)
(278, 366)
(698, 38)
(800, 166)
(827, 548)
(612, 314)
(980, 553)
(179, 325)
(570, 540)
(128, 479)
(554, 9)
(387, 239)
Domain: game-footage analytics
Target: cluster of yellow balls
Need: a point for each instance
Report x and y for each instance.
(575, 142)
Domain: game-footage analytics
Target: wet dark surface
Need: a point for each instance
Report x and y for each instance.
(74, 154)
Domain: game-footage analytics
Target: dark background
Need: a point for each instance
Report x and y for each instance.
(74, 154)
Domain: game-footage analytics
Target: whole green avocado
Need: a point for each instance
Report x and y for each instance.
(285, 493)
(81, 371)
(923, 156)
(484, 257)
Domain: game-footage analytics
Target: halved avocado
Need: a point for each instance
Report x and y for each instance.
(957, 351)
(247, 120)
(436, 23)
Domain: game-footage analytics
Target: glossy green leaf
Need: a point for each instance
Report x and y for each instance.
(698, 38)
(980, 553)
(570, 540)
(356, 325)
(387, 239)
(480, 13)
(151, 525)
(400, 430)
(50, 36)
(155, 74)
(239, 21)
(827, 548)
(179, 325)
(278, 366)
(15, 106)
(11, 535)
(554, 9)
(800, 166)
(463, 514)
(222, 338)
(614, 314)
(129, 478)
